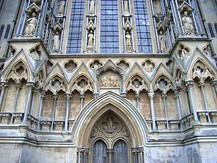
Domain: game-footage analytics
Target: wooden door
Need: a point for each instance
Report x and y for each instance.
(100, 154)
(120, 154)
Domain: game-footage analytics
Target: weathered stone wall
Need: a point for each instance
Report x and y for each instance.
(10, 153)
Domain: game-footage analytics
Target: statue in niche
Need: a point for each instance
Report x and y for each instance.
(183, 53)
(126, 7)
(104, 82)
(90, 39)
(113, 81)
(35, 54)
(31, 25)
(187, 24)
(162, 42)
(198, 71)
(92, 6)
(149, 66)
(207, 51)
(61, 7)
(56, 41)
(128, 39)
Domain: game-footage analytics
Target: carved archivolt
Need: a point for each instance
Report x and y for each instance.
(111, 127)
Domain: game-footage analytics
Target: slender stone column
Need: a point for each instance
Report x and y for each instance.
(68, 96)
(151, 96)
(82, 96)
(4, 85)
(55, 97)
(85, 155)
(110, 151)
(18, 87)
(201, 85)
(187, 103)
(190, 84)
(141, 160)
(79, 155)
(42, 96)
(137, 101)
(135, 155)
(164, 96)
(214, 84)
(178, 104)
(33, 101)
(28, 102)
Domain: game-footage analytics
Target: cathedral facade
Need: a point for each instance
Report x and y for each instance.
(108, 81)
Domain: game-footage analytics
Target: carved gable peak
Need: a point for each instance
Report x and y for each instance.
(110, 65)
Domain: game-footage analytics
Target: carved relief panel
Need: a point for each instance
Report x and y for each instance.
(109, 79)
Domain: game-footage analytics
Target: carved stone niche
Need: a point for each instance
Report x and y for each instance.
(49, 65)
(163, 84)
(110, 80)
(178, 78)
(35, 53)
(123, 64)
(148, 65)
(70, 66)
(18, 72)
(201, 72)
(82, 84)
(136, 84)
(110, 127)
(183, 52)
(95, 65)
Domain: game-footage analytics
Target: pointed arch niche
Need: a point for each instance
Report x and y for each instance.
(114, 125)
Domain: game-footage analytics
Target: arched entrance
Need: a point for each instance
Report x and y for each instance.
(110, 140)
(111, 129)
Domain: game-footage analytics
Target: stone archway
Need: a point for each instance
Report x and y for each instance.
(104, 107)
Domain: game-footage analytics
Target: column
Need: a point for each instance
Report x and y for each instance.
(33, 101)
(140, 150)
(137, 101)
(164, 96)
(4, 85)
(201, 85)
(55, 97)
(187, 103)
(82, 96)
(85, 155)
(18, 87)
(151, 96)
(135, 155)
(28, 102)
(42, 96)
(79, 155)
(190, 84)
(68, 96)
(214, 84)
(110, 151)
(178, 104)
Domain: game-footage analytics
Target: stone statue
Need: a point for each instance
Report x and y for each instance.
(104, 82)
(113, 81)
(187, 24)
(61, 7)
(126, 7)
(198, 71)
(92, 6)
(31, 25)
(149, 66)
(183, 53)
(56, 41)
(128, 39)
(90, 39)
(163, 42)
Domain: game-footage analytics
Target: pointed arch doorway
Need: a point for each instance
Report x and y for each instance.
(110, 140)
(108, 127)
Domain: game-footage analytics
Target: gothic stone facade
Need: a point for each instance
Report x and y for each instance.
(149, 102)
